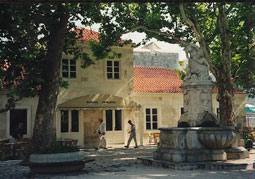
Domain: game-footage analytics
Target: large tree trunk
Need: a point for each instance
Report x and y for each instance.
(43, 132)
(225, 99)
(224, 77)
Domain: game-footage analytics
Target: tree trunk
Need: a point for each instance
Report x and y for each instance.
(225, 99)
(43, 132)
(224, 77)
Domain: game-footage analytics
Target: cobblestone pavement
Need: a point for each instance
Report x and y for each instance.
(121, 163)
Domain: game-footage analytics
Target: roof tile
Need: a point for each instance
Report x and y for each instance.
(160, 80)
(156, 80)
(87, 34)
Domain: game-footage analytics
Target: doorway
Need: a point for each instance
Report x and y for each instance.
(90, 126)
(18, 116)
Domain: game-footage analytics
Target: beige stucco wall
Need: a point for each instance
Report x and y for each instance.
(169, 109)
(26, 103)
(93, 80)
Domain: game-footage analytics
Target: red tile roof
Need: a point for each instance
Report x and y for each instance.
(156, 80)
(88, 34)
(160, 80)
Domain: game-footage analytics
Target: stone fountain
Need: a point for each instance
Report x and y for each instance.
(199, 136)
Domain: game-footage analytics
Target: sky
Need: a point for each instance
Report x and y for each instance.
(137, 37)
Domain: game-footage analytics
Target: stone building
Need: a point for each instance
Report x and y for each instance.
(116, 90)
(151, 55)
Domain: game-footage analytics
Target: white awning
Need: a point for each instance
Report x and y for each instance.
(99, 101)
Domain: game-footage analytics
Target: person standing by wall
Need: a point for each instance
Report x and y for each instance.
(101, 137)
(18, 133)
(132, 135)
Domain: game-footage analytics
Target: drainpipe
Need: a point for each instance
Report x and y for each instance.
(141, 125)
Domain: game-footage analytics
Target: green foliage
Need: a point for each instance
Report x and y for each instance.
(166, 17)
(24, 34)
(181, 73)
(63, 83)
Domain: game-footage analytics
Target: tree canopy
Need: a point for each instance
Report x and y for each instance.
(224, 32)
(33, 38)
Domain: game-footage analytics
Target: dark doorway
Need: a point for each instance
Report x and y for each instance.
(18, 116)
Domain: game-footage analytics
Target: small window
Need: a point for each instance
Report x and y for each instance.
(118, 120)
(151, 115)
(182, 111)
(218, 113)
(113, 69)
(68, 68)
(75, 121)
(64, 121)
(109, 120)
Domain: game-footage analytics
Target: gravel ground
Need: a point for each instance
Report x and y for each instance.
(121, 163)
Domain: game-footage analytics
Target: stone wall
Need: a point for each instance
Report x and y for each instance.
(26, 103)
(156, 59)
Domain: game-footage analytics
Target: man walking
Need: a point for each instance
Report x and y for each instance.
(132, 135)
(101, 131)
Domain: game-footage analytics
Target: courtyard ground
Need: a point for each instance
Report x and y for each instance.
(118, 162)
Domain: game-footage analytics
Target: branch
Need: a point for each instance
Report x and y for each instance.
(189, 22)
(225, 40)
(209, 40)
(179, 41)
(203, 44)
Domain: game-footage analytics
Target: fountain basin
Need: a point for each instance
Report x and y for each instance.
(217, 137)
(190, 144)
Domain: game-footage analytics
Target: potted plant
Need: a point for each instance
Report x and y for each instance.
(57, 158)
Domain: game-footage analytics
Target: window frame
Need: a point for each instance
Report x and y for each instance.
(113, 120)
(113, 70)
(151, 115)
(69, 70)
(62, 117)
(70, 121)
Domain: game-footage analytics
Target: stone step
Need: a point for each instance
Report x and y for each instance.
(220, 165)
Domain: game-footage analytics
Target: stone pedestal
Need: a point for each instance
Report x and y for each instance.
(184, 145)
(197, 105)
(237, 153)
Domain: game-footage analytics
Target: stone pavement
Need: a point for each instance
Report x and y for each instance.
(119, 163)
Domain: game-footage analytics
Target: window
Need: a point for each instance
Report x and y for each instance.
(118, 120)
(182, 111)
(64, 121)
(113, 120)
(108, 120)
(68, 68)
(18, 116)
(113, 69)
(151, 118)
(75, 121)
